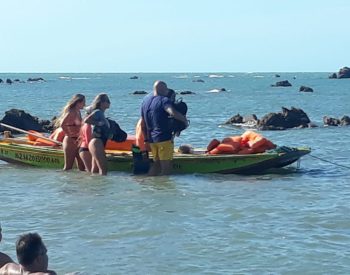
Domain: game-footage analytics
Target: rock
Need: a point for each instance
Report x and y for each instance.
(287, 119)
(1, 81)
(22, 120)
(16, 80)
(305, 89)
(134, 77)
(277, 75)
(344, 121)
(284, 83)
(251, 119)
(344, 72)
(140, 93)
(333, 75)
(187, 93)
(9, 81)
(198, 80)
(35, 79)
(330, 121)
(235, 119)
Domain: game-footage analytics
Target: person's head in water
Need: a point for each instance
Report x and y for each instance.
(171, 95)
(32, 253)
(160, 88)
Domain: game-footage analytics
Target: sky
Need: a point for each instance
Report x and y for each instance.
(174, 35)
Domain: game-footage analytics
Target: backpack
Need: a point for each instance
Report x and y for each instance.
(175, 125)
(115, 132)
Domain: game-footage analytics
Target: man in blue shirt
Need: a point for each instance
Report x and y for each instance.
(155, 112)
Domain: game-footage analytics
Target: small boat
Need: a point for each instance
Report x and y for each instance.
(17, 150)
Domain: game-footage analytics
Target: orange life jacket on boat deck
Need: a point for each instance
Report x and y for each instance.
(44, 142)
(58, 134)
(122, 146)
(33, 138)
(212, 144)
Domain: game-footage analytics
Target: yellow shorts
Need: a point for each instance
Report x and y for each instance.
(162, 150)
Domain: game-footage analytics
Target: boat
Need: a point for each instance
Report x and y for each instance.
(19, 151)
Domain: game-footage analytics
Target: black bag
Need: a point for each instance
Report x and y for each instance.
(176, 125)
(115, 132)
(141, 161)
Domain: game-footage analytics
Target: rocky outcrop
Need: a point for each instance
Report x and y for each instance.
(1, 81)
(343, 73)
(288, 118)
(305, 89)
(25, 121)
(9, 81)
(140, 93)
(198, 80)
(134, 77)
(331, 121)
(236, 119)
(187, 93)
(277, 75)
(284, 83)
(35, 79)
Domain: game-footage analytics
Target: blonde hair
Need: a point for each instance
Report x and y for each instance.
(99, 99)
(77, 98)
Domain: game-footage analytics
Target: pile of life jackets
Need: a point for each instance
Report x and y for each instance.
(59, 134)
(248, 143)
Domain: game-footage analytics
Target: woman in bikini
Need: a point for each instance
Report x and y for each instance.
(100, 133)
(70, 120)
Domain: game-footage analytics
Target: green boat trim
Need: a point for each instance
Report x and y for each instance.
(199, 162)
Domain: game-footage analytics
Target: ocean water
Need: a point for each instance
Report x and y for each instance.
(292, 222)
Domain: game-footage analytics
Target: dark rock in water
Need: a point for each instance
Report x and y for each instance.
(23, 120)
(284, 83)
(305, 89)
(9, 81)
(345, 120)
(187, 93)
(198, 80)
(139, 93)
(134, 77)
(1, 81)
(235, 119)
(48, 126)
(287, 119)
(16, 80)
(222, 90)
(330, 121)
(277, 75)
(251, 119)
(333, 75)
(344, 72)
(35, 79)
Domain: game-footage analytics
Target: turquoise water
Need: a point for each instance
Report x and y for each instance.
(293, 222)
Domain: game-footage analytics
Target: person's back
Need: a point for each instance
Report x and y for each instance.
(156, 118)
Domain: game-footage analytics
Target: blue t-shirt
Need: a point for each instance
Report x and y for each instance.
(156, 118)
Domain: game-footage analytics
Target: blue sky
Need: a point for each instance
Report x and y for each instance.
(174, 35)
